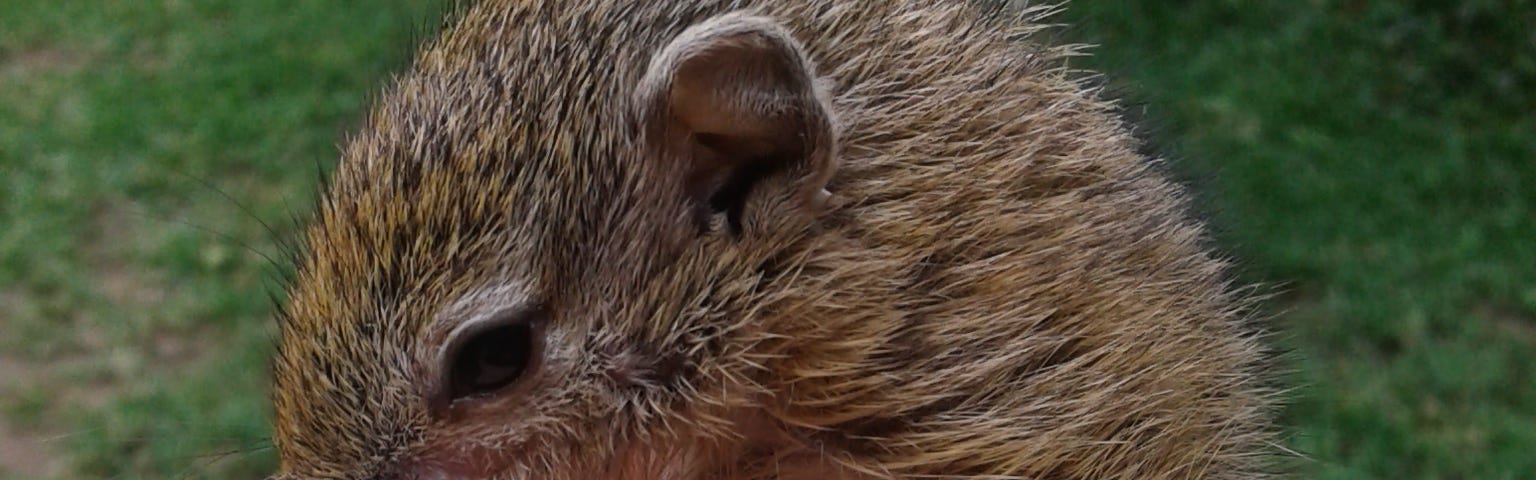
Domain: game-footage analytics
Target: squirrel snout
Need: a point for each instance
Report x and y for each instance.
(427, 474)
(419, 472)
(432, 474)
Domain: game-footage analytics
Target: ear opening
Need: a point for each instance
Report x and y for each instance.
(730, 102)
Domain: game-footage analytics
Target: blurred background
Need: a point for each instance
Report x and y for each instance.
(1370, 161)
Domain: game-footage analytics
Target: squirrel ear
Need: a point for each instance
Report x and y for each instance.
(730, 102)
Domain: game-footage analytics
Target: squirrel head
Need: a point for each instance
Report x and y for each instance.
(547, 258)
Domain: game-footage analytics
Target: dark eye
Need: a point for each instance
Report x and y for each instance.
(490, 358)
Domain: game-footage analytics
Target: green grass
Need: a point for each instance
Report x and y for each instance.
(1378, 160)
(1374, 159)
(131, 289)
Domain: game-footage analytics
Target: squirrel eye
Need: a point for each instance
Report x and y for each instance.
(490, 358)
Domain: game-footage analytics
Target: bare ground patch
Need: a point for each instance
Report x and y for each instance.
(27, 452)
(110, 340)
(1509, 321)
(43, 59)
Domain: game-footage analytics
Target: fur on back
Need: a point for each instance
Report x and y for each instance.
(1002, 288)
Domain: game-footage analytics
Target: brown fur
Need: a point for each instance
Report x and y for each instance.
(1000, 287)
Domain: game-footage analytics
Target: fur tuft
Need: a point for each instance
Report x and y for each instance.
(999, 287)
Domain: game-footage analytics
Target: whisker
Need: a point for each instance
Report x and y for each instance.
(224, 236)
(206, 460)
(276, 237)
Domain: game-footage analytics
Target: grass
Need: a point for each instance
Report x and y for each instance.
(140, 142)
(1375, 159)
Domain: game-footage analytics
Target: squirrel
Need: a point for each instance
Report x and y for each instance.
(741, 239)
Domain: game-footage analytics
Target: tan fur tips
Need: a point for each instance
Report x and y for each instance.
(995, 284)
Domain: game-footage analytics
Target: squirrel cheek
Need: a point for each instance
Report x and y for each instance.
(449, 460)
(629, 370)
(447, 470)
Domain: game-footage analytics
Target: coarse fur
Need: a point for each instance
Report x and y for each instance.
(998, 287)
